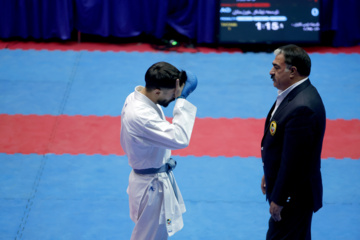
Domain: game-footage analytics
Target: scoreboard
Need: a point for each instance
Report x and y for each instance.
(272, 21)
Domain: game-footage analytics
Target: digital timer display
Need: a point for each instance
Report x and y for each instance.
(276, 21)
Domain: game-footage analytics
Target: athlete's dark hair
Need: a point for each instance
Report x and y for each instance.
(163, 75)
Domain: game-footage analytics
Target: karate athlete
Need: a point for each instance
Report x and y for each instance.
(155, 202)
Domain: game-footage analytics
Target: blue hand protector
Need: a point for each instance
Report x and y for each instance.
(190, 84)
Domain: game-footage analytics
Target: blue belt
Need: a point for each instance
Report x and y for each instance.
(167, 167)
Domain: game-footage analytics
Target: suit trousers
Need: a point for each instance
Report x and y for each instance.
(295, 223)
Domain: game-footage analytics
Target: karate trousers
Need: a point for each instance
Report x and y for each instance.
(147, 225)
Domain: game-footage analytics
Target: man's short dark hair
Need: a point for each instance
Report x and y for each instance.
(163, 75)
(296, 56)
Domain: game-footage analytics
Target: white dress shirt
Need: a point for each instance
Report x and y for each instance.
(282, 94)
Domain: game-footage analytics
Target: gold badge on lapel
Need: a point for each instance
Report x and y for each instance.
(272, 128)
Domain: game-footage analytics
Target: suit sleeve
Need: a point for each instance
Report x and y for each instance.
(298, 144)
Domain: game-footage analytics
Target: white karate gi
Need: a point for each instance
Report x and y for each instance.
(147, 139)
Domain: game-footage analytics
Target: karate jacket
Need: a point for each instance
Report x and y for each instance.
(147, 139)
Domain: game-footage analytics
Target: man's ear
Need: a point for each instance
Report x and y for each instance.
(157, 91)
(293, 70)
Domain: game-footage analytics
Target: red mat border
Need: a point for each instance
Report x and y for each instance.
(64, 134)
(145, 47)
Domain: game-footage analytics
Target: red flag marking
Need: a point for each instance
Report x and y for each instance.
(101, 135)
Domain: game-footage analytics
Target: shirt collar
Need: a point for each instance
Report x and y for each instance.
(141, 97)
(283, 94)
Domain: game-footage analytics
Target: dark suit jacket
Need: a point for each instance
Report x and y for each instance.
(291, 148)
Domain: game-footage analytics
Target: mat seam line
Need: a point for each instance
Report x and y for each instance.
(30, 201)
(39, 174)
(63, 102)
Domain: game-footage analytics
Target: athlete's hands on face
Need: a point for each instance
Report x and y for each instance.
(190, 84)
(178, 89)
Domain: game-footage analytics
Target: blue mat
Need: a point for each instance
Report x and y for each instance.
(84, 197)
(97, 83)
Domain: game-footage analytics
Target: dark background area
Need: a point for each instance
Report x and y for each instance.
(160, 22)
